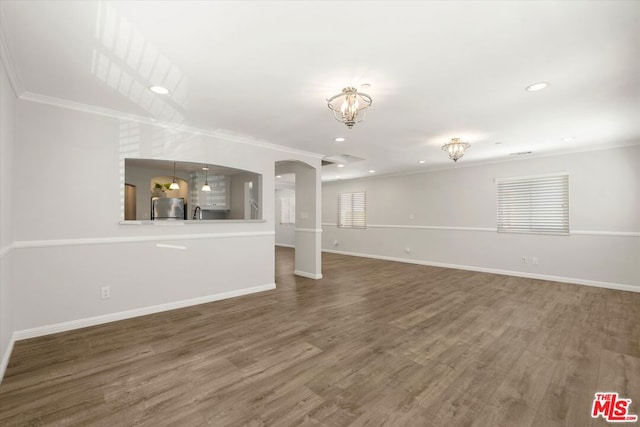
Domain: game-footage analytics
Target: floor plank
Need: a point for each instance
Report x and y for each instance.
(372, 343)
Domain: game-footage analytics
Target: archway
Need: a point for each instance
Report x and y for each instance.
(307, 225)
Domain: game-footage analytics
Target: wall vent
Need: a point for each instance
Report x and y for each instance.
(341, 158)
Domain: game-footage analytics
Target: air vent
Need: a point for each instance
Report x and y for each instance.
(521, 153)
(341, 158)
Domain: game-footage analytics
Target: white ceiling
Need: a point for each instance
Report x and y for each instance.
(263, 69)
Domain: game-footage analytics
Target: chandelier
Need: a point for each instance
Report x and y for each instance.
(455, 148)
(350, 106)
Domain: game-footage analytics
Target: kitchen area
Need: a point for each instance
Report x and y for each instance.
(163, 190)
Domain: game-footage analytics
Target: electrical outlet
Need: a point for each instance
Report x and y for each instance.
(535, 260)
(525, 260)
(335, 243)
(407, 250)
(105, 292)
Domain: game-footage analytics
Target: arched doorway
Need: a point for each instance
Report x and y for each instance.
(307, 239)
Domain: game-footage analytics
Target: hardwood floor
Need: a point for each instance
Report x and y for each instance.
(373, 343)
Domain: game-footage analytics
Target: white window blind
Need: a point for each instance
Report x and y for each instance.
(352, 210)
(288, 210)
(534, 204)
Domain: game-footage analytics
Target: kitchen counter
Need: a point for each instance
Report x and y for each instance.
(165, 222)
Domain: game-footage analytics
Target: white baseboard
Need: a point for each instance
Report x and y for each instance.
(307, 275)
(112, 317)
(5, 357)
(285, 246)
(561, 279)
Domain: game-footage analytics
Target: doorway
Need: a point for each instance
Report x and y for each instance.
(297, 215)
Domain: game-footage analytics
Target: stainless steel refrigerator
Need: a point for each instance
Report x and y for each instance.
(167, 208)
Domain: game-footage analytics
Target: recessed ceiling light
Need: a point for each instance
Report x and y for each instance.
(537, 86)
(278, 176)
(205, 169)
(569, 139)
(338, 177)
(372, 171)
(160, 90)
(339, 139)
(340, 165)
(422, 162)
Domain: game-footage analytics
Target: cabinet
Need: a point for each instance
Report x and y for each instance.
(216, 199)
(129, 202)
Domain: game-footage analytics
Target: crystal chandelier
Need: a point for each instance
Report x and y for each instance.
(455, 148)
(350, 106)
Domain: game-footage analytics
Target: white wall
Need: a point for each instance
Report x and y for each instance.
(449, 217)
(68, 173)
(7, 120)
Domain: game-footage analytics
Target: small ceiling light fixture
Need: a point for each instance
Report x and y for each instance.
(174, 185)
(350, 106)
(536, 86)
(422, 162)
(339, 139)
(160, 90)
(340, 165)
(206, 186)
(455, 148)
(372, 171)
(569, 139)
(278, 176)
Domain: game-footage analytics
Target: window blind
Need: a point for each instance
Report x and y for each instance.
(288, 210)
(287, 200)
(534, 204)
(352, 210)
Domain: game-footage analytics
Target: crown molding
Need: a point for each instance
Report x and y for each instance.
(119, 115)
(6, 58)
(426, 170)
(29, 244)
(572, 232)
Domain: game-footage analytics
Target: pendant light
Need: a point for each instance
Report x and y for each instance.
(350, 106)
(206, 186)
(174, 185)
(455, 149)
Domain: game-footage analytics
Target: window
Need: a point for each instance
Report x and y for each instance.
(534, 204)
(352, 210)
(287, 207)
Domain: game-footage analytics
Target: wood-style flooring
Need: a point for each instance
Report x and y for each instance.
(373, 343)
